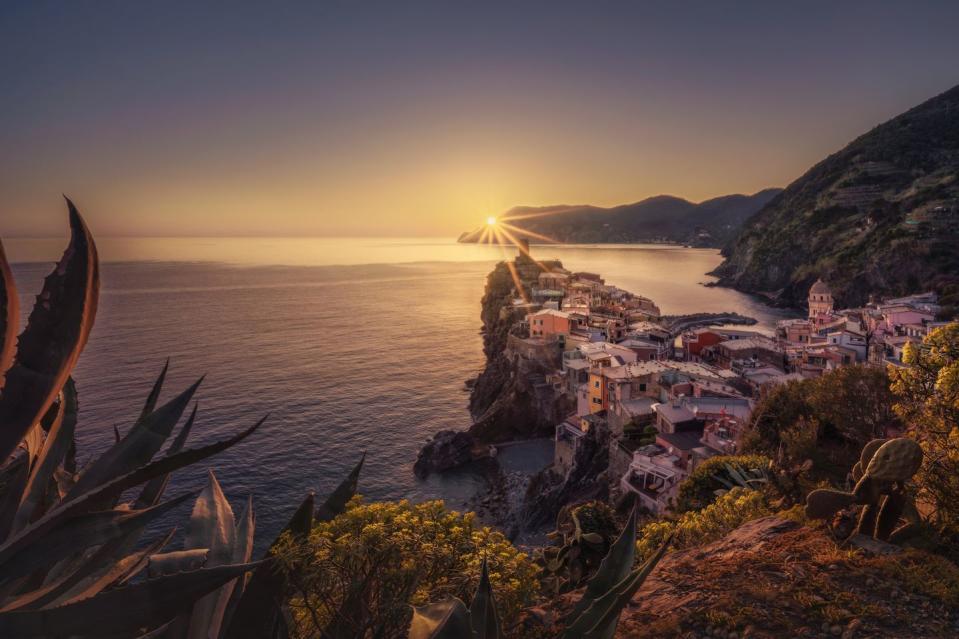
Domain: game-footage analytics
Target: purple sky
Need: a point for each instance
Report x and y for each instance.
(363, 118)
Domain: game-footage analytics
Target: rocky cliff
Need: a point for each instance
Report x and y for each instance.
(510, 399)
(880, 217)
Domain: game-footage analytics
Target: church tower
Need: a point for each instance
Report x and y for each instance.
(820, 299)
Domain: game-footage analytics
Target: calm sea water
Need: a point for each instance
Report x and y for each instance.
(349, 345)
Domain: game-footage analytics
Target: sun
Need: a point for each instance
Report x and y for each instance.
(490, 221)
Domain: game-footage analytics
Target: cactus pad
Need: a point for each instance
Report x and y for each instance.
(896, 460)
(869, 450)
(824, 503)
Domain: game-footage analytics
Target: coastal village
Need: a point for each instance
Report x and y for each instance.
(664, 394)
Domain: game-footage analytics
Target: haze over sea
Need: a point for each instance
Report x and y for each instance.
(348, 344)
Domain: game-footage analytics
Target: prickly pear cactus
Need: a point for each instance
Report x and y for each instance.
(883, 468)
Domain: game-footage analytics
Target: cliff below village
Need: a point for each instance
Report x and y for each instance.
(880, 217)
(510, 399)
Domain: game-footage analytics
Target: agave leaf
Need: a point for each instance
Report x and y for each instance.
(212, 526)
(138, 447)
(615, 566)
(109, 491)
(18, 474)
(151, 401)
(725, 482)
(336, 502)
(56, 333)
(154, 488)
(736, 475)
(443, 620)
(9, 315)
(76, 534)
(132, 608)
(259, 612)
(95, 574)
(599, 620)
(242, 553)
(171, 563)
(605, 627)
(55, 448)
(483, 617)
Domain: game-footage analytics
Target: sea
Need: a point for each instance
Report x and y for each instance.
(347, 345)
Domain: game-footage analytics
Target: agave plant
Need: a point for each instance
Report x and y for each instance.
(451, 619)
(71, 555)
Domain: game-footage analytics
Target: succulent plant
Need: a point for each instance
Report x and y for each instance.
(585, 533)
(596, 614)
(451, 619)
(70, 548)
(880, 474)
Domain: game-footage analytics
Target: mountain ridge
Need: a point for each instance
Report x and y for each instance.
(660, 218)
(878, 217)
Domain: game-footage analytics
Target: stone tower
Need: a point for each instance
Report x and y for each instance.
(820, 299)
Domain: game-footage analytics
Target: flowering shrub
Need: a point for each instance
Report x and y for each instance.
(927, 399)
(699, 489)
(359, 573)
(697, 527)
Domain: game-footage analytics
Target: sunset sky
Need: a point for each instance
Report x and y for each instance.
(415, 118)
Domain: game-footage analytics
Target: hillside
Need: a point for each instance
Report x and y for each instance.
(662, 218)
(880, 217)
(774, 578)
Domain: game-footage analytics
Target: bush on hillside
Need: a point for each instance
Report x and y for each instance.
(927, 394)
(696, 527)
(699, 489)
(358, 574)
(828, 419)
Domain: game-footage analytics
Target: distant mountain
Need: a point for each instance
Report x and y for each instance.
(881, 216)
(661, 218)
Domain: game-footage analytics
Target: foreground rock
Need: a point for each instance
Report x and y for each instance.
(774, 578)
(449, 449)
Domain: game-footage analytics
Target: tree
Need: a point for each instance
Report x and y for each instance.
(927, 393)
(828, 419)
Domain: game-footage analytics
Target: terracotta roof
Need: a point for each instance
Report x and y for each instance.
(820, 288)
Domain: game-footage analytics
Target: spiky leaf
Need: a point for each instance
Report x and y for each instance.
(76, 534)
(135, 607)
(55, 447)
(154, 488)
(443, 620)
(483, 617)
(336, 502)
(138, 446)
(212, 526)
(56, 333)
(259, 612)
(9, 315)
(615, 566)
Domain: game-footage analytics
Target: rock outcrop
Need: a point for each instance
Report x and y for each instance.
(549, 491)
(448, 449)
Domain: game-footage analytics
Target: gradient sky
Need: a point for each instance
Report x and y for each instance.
(414, 118)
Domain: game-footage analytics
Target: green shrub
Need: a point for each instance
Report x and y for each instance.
(697, 527)
(359, 573)
(699, 489)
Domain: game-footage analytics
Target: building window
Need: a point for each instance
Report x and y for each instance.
(642, 388)
(597, 400)
(596, 384)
